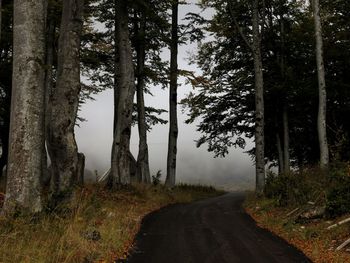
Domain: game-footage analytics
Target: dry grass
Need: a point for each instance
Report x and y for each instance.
(312, 238)
(61, 235)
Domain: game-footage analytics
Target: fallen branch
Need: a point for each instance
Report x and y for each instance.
(340, 223)
(292, 212)
(347, 242)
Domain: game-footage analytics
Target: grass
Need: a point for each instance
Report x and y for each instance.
(312, 237)
(97, 226)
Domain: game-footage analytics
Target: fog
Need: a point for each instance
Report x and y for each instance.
(194, 165)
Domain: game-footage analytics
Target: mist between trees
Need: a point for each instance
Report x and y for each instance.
(275, 72)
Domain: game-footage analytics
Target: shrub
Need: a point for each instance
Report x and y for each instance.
(156, 178)
(298, 187)
(338, 192)
(289, 189)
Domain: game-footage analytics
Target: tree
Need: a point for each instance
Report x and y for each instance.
(65, 100)
(142, 157)
(322, 106)
(124, 90)
(255, 47)
(27, 108)
(173, 127)
(51, 20)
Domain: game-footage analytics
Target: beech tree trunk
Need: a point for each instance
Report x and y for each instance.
(280, 153)
(286, 157)
(322, 106)
(50, 36)
(65, 99)
(27, 108)
(143, 172)
(259, 102)
(173, 127)
(124, 94)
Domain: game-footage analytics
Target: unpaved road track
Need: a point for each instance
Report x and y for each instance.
(215, 230)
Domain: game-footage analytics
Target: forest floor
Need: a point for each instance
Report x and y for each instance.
(311, 237)
(97, 226)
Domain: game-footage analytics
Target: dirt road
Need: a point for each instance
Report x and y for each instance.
(215, 230)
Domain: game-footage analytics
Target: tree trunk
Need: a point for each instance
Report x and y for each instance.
(143, 172)
(286, 157)
(125, 84)
(280, 153)
(50, 31)
(322, 106)
(65, 99)
(27, 108)
(173, 129)
(259, 102)
(286, 141)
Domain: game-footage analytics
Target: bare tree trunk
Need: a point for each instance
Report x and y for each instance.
(280, 153)
(286, 156)
(125, 84)
(27, 108)
(48, 90)
(259, 102)
(65, 99)
(322, 106)
(286, 141)
(142, 158)
(173, 129)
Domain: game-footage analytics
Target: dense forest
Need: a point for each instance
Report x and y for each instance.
(272, 71)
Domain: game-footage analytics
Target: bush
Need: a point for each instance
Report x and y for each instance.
(338, 193)
(330, 189)
(298, 187)
(156, 178)
(288, 189)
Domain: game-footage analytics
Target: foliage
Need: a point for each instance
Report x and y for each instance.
(338, 192)
(295, 188)
(156, 178)
(223, 99)
(331, 188)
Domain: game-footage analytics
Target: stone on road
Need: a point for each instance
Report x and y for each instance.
(215, 230)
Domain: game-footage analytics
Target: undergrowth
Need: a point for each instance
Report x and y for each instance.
(97, 226)
(288, 196)
(325, 188)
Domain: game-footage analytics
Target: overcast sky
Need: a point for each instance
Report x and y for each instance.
(194, 165)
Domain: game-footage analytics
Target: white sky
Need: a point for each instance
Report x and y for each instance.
(194, 165)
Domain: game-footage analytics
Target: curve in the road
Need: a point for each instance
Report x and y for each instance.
(215, 230)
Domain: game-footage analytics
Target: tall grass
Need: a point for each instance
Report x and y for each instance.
(62, 234)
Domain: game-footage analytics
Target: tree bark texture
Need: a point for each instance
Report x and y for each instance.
(322, 106)
(50, 38)
(259, 102)
(124, 94)
(27, 108)
(173, 126)
(65, 99)
(143, 172)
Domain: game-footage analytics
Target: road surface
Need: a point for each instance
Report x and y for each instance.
(215, 230)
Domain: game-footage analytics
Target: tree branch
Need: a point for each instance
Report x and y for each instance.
(232, 13)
